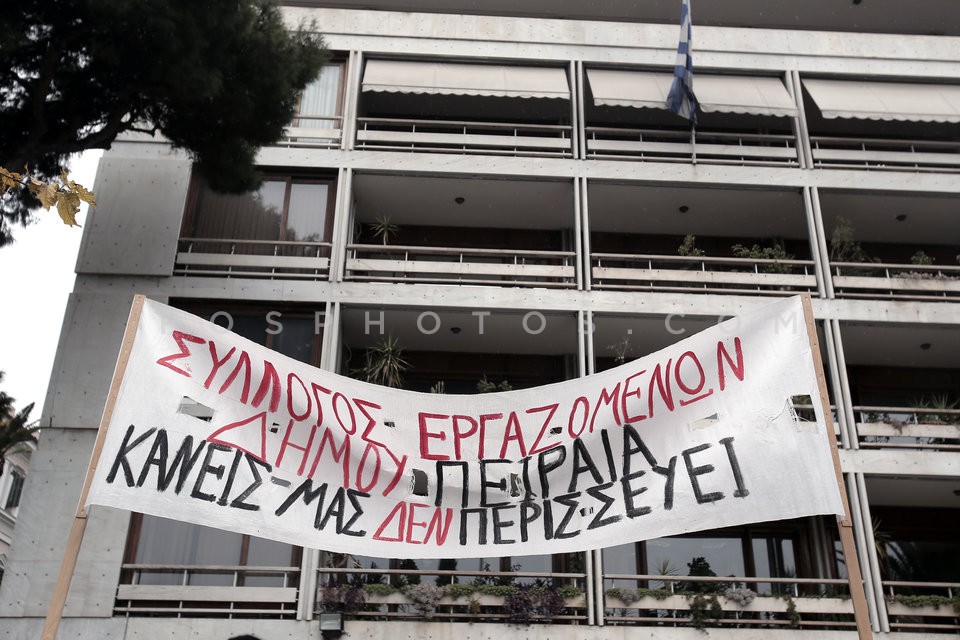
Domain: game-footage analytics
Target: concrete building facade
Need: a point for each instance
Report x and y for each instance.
(501, 190)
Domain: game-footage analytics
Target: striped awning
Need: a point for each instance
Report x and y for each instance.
(724, 94)
(457, 79)
(908, 102)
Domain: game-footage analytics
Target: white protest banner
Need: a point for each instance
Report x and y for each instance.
(697, 436)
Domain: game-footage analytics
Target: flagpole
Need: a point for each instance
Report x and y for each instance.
(69, 563)
(693, 142)
(860, 612)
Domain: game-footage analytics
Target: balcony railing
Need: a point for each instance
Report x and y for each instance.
(929, 429)
(706, 275)
(253, 258)
(676, 146)
(771, 602)
(923, 606)
(485, 596)
(313, 131)
(449, 136)
(885, 154)
(469, 596)
(504, 267)
(893, 281)
(223, 591)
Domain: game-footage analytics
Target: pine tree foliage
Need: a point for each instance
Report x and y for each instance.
(218, 78)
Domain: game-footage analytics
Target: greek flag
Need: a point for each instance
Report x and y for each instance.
(681, 99)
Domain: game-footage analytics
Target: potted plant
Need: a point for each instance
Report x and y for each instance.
(383, 229)
(384, 364)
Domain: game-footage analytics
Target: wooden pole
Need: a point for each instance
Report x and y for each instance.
(860, 612)
(55, 612)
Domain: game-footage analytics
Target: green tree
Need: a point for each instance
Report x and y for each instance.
(15, 426)
(218, 79)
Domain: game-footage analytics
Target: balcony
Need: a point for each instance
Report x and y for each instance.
(474, 108)
(706, 275)
(892, 246)
(731, 601)
(917, 131)
(896, 281)
(253, 258)
(318, 123)
(922, 606)
(746, 120)
(460, 348)
(445, 265)
(930, 429)
(516, 596)
(420, 229)
(698, 240)
(892, 154)
(709, 147)
(917, 553)
(452, 136)
(278, 231)
(319, 132)
(208, 590)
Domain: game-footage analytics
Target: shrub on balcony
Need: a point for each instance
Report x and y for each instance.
(938, 403)
(347, 598)
(628, 596)
(488, 386)
(425, 597)
(935, 601)
(756, 252)
(688, 247)
(792, 614)
(704, 608)
(741, 595)
(379, 589)
(530, 603)
(843, 247)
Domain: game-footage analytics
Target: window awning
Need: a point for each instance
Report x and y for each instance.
(724, 94)
(886, 100)
(442, 78)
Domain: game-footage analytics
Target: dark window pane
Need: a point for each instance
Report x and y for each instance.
(924, 561)
(295, 338)
(250, 216)
(16, 488)
(252, 327)
(723, 555)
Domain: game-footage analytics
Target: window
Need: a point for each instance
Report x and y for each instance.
(285, 209)
(917, 544)
(321, 102)
(293, 332)
(241, 560)
(751, 551)
(17, 478)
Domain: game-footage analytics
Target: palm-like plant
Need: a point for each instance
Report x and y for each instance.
(384, 229)
(383, 363)
(15, 426)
